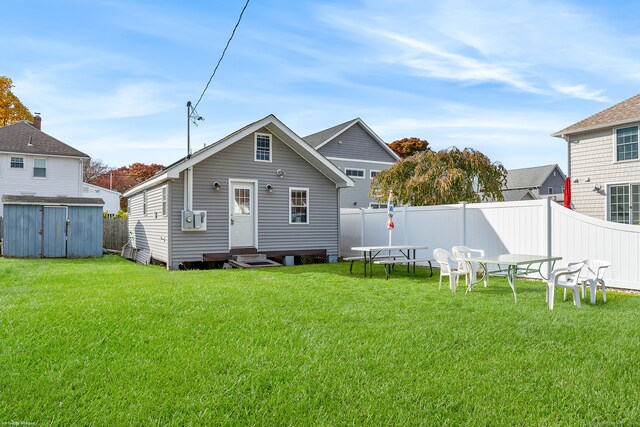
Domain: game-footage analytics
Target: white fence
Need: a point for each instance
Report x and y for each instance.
(538, 227)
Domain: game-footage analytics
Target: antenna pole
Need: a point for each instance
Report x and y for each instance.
(188, 129)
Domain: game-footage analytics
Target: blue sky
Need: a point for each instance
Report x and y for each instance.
(112, 78)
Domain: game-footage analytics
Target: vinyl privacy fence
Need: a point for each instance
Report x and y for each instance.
(536, 227)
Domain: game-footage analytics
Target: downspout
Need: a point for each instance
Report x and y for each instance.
(567, 139)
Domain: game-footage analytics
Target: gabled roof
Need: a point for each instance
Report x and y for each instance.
(626, 111)
(517, 195)
(532, 177)
(277, 128)
(15, 138)
(319, 139)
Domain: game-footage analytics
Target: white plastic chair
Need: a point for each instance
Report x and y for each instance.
(593, 274)
(567, 278)
(462, 252)
(449, 266)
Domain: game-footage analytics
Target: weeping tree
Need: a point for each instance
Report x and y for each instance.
(446, 176)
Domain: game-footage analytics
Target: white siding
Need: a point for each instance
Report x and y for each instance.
(64, 177)
(111, 198)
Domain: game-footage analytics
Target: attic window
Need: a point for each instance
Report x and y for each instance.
(17, 162)
(263, 147)
(354, 173)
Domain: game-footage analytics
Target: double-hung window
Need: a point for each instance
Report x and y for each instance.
(298, 205)
(17, 163)
(627, 143)
(40, 168)
(262, 147)
(164, 201)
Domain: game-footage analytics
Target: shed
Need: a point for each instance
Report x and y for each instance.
(52, 227)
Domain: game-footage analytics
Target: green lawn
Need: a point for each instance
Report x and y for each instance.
(109, 342)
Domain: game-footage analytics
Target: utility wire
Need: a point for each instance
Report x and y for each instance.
(223, 52)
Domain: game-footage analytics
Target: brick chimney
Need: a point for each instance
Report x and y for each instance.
(37, 121)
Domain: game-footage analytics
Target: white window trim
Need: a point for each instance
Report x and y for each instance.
(165, 201)
(145, 203)
(364, 172)
(17, 157)
(607, 201)
(308, 206)
(255, 147)
(33, 169)
(375, 162)
(371, 173)
(615, 143)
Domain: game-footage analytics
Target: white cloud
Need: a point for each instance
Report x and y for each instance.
(527, 45)
(582, 92)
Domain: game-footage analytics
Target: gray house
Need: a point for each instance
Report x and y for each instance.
(539, 181)
(261, 189)
(360, 153)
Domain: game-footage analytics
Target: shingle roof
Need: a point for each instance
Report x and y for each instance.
(528, 177)
(517, 195)
(15, 139)
(318, 138)
(39, 200)
(623, 112)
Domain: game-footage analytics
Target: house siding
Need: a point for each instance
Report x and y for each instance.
(555, 182)
(358, 144)
(274, 230)
(150, 231)
(64, 177)
(358, 195)
(592, 157)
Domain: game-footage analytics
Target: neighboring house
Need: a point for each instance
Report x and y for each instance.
(111, 197)
(360, 153)
(261, 189)
(518, 195)
(539, 181)
(604, 164)
(33, 163)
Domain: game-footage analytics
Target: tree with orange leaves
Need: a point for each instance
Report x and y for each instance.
(11, 108)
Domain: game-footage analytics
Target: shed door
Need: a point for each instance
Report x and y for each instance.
(54, 232)
(242, 213)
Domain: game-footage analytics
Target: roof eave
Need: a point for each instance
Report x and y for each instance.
(564, 132)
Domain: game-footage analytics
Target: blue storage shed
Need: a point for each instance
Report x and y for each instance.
(52, 227)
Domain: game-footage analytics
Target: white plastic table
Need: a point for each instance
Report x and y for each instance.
(514, 263)
(371, 252)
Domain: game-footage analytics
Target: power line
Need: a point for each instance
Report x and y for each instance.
(223, 52)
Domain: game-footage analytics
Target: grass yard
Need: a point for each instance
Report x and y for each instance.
(109, 342)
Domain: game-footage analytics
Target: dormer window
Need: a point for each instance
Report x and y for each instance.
(262, 147)
(627, 143)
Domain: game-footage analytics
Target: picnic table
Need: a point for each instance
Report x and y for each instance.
(390, 255)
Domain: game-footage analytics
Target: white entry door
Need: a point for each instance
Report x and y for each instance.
(242, 211)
